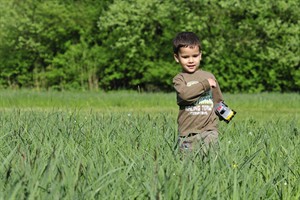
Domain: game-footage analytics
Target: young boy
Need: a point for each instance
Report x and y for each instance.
(197, 93)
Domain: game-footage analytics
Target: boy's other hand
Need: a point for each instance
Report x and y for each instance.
(212, 82)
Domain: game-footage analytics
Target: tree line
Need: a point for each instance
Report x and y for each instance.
(250, 46)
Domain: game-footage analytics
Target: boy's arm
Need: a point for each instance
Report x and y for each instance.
(186, 95)
(217, 94)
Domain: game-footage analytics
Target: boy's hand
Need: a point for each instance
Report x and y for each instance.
(212, 82)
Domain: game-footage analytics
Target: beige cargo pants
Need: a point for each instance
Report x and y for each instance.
(199, 142)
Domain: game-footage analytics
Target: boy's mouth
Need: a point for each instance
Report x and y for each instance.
(190, 66)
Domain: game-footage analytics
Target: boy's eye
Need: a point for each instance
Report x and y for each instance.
(194, 56)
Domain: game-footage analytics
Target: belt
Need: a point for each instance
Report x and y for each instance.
(189, 135)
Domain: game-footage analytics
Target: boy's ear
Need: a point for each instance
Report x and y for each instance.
(176, 57)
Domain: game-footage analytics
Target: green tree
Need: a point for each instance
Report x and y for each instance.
(39, 32)
(138, 36)
(249, 46)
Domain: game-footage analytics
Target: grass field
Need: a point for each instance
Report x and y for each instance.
(122, 145)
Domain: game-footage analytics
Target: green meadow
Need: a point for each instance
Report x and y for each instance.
(122, 145)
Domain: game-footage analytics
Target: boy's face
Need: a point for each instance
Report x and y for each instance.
(189, 58)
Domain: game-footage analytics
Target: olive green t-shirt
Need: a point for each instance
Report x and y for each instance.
(196, 100)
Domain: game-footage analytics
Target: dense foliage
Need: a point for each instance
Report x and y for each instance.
(249, 46)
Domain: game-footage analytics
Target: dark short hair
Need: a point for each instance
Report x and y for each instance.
(185, 39)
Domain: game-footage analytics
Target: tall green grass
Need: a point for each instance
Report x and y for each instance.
(123, 146)
(100, 101)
